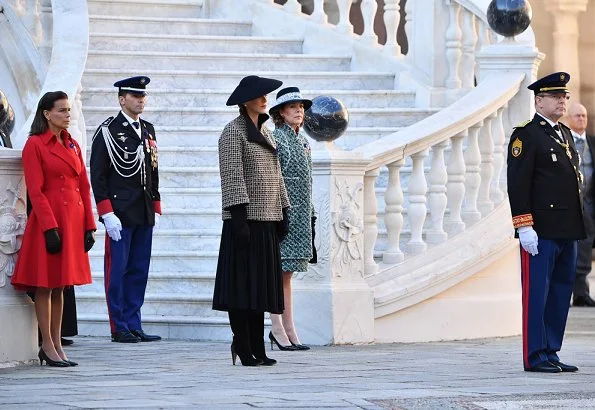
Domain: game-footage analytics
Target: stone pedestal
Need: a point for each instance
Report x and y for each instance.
(510, 56)
(18, 338)
(332, 302)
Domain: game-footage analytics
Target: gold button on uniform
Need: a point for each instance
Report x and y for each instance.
(551, 205)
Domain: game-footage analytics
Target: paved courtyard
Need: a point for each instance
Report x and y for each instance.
(479, 374)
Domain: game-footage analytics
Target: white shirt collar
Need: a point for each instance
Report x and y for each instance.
(548, 120)
(582, 136)
(130, 120)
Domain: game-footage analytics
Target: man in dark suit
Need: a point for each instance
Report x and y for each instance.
(125, 181)
(544, 190)
(585, 144)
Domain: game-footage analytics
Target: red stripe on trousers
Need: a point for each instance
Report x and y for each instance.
(525, 272)
(107, 270)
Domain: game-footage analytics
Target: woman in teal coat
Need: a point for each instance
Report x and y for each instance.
(297, 249)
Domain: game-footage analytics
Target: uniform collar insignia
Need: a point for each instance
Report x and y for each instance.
(125, 124)
(542, 123)
(123, 138)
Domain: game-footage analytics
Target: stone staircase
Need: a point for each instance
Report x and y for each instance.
(194, 64)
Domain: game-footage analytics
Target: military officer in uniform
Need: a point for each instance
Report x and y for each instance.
(125, 181)
(544, 190)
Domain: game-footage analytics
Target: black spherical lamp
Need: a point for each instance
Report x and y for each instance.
(509, 18)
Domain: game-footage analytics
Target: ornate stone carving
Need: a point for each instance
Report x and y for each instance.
(12, 226)
(348, 227)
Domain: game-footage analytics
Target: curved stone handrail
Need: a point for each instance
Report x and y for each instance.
(70, 40)
(473, 108)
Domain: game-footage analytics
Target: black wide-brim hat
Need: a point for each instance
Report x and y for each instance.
(289, 95)
(252, 87)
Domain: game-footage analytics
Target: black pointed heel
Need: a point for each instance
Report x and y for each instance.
(246, 360)
(53, 363)
(279, 345)
(299, 346)
(70, 363)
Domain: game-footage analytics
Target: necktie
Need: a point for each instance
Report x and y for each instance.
(556, 128)
(137, 125)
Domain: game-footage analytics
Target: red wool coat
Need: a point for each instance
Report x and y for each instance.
(60, 195)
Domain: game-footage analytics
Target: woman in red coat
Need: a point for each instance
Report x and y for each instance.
(60, 229)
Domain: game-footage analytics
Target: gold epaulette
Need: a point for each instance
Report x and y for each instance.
(522, 124)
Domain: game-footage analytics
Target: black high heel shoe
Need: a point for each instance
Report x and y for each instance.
(53, 363)
(299, 346)
(70, 363)
(279, 345)
(266, 361)
(246, 360)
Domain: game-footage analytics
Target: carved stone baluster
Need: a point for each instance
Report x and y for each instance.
(437, 197)
(409, 21)
(499, 155)
(368, 12)
(344, 25)
(318, 14)
(484, 35)
(486, 147)
(453, 46)
(370, 222)
(417, 203)
(472, 156)
(393, 217)
(455, 189)
(293, 6)
(468, 50)
(391, 22)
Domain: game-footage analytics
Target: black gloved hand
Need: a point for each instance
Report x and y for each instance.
(314, 254)
(239, 223)
(89, 239)
(53, 244)
(283, 225)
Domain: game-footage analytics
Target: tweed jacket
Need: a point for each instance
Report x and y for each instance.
(250, 170)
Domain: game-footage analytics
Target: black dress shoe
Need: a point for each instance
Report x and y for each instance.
(544, 367)
(124, 336)
(585, 301)
(66, 342)
(565, 367)
(145, 337)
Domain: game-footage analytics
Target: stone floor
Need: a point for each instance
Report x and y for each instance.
(478, 374)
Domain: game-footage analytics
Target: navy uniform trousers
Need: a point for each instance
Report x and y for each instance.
(547, 281)
(126, 271)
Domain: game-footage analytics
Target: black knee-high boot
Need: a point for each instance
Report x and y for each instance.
(239, 322)
(257, 338)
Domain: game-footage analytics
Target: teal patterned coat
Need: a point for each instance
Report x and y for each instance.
(296, 167)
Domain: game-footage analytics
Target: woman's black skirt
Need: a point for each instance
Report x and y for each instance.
(249, 277)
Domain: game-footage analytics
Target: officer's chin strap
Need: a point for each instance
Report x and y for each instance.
(121, 165)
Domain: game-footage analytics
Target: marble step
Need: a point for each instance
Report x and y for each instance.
(156, 304)
(164, 261)
(194, 44)
(211, 328)
(178, 239)
(165, 282)
(188, 116)
(183, 156)
(207, 136)
(218, 61)
(134, 24)
(147, 8)
(228, 80)
(107, 96)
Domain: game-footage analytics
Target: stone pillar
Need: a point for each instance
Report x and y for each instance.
(565, 39)
(332, 302)
(18, 338)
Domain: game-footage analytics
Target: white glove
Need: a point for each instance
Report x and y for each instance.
(156, 226)
(528, 238)
(113, 226)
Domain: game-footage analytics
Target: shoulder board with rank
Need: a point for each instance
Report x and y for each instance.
(522, 124)
(105, 123)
